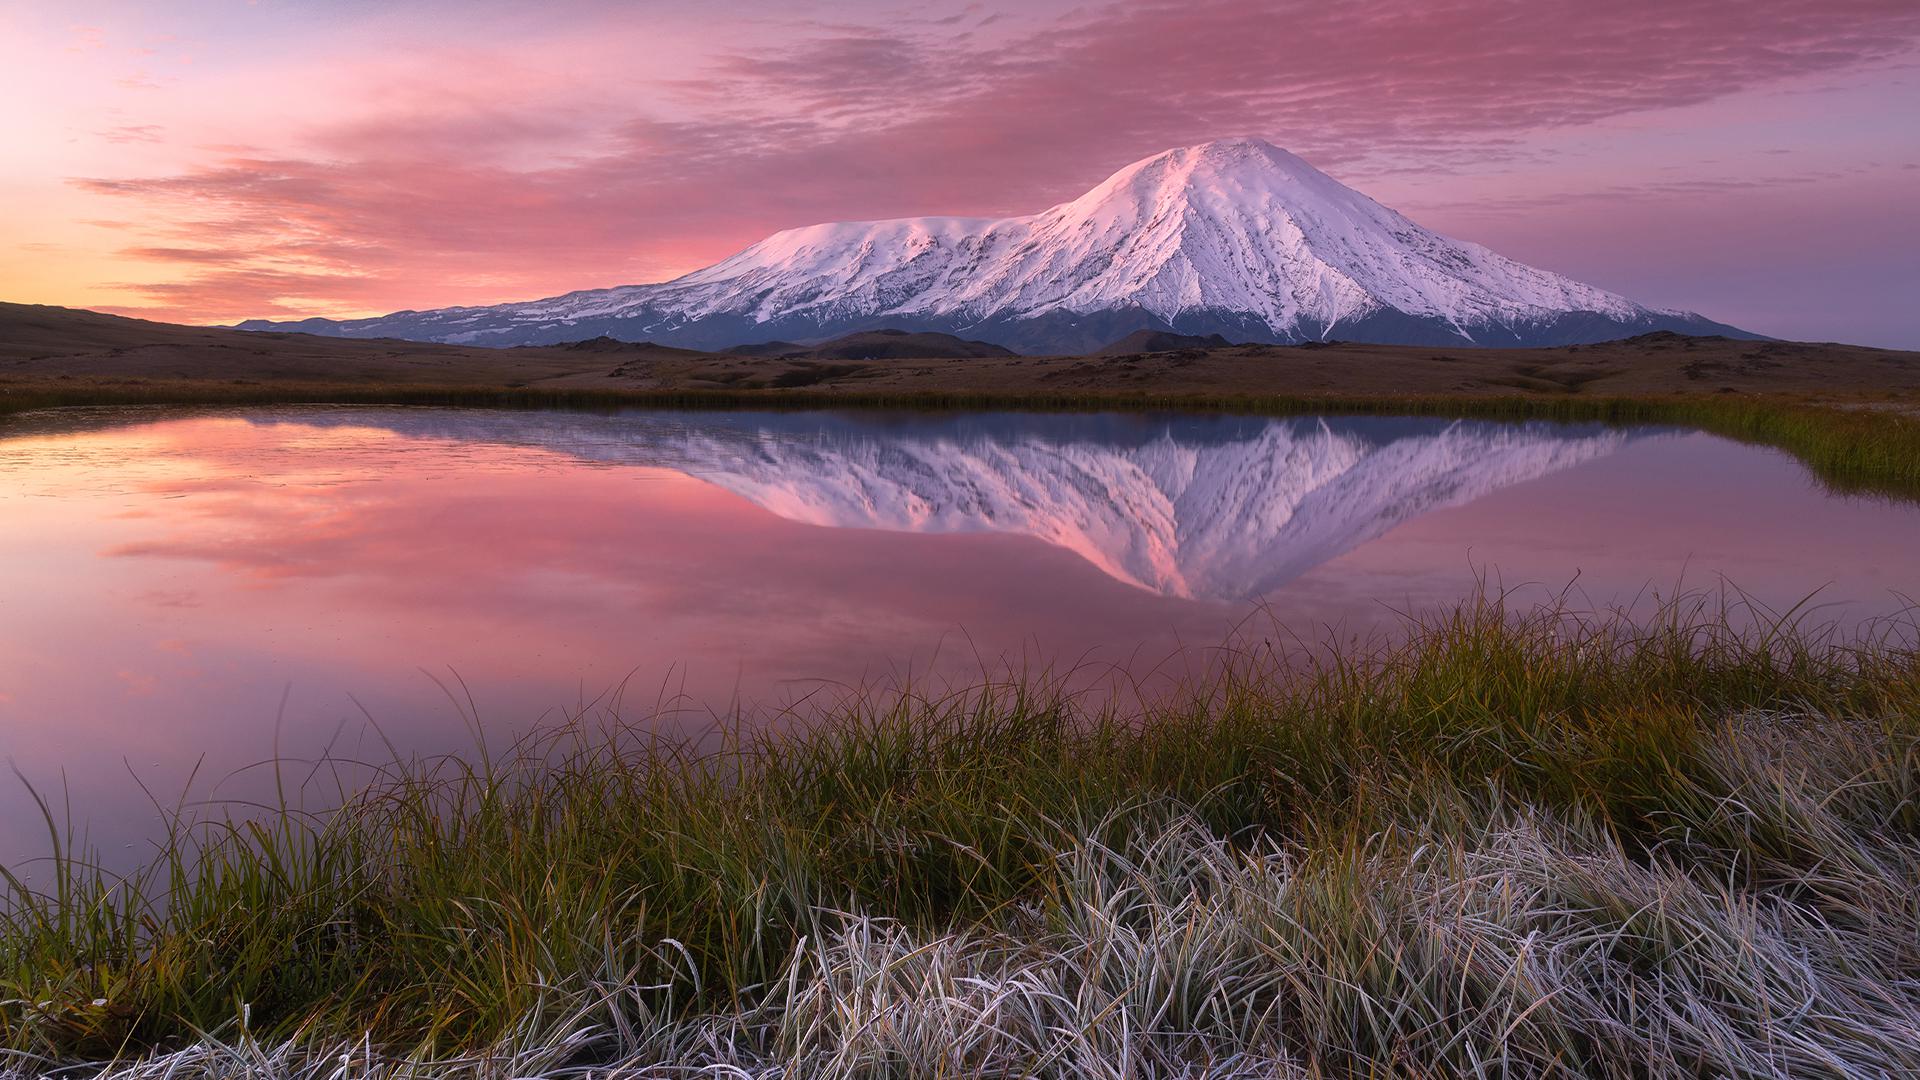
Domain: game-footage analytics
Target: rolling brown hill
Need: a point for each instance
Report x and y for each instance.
(877, 345)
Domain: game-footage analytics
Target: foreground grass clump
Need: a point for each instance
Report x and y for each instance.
(1513, 844)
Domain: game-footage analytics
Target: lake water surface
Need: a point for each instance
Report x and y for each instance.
(210, 588)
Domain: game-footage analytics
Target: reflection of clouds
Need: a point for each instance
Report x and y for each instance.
(516, 560)
(177, 487)
(267, 529)
(481, 532)
(168, 598)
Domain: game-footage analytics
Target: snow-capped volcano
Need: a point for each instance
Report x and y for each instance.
(1236, 237)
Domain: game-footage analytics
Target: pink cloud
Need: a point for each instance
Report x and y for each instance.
(133, 133)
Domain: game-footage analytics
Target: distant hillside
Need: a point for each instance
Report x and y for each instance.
(607, 346)
(1153, 341)
(770, 348)
(884, 344)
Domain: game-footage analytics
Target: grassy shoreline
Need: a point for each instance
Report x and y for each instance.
(1515, 843)
(1851, 445)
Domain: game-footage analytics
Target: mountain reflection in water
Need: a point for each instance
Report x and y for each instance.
(1201, 508)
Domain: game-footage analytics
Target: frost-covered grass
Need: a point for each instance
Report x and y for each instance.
(1514, 844)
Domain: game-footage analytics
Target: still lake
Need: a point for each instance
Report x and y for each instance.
(185, 589)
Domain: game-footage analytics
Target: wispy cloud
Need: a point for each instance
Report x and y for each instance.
(133, 133)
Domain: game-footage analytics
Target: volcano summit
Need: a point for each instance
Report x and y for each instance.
(1235, 237)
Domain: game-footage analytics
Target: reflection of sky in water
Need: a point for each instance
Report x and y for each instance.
(167, 580)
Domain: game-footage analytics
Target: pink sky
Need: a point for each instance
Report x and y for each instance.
(1756, 161)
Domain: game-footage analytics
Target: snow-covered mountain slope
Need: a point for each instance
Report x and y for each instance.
(1214, 509)
(1236, 237)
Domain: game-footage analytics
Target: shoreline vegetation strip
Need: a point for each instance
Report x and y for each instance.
(1539, 842)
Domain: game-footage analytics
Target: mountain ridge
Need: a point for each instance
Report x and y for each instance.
(1234, 237)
